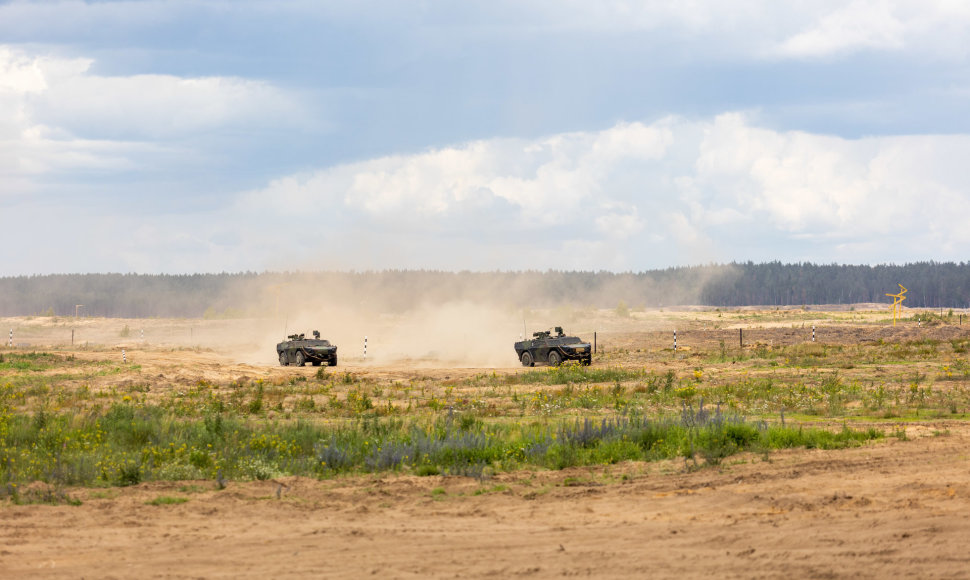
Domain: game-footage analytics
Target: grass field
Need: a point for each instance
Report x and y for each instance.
(84, 417)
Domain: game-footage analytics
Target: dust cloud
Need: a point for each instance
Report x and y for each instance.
(440, 318)
(400, 325)
(458, 319)
(418, 318)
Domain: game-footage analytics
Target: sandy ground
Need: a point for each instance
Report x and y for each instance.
(891, 509)
(894, 508)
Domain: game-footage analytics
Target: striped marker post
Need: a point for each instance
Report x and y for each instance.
(124, 357)
(10, 344)
(675, 340)
(919, 322)
(365, 347)
(143, 334)
(813, 333)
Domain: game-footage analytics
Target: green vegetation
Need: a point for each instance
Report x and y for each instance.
(32, 361)
(126, 444)
(167, 500)
(69, 422)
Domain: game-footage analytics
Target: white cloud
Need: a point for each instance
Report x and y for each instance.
(676, 189)
(822, 187)
(786, 29)
(936, 27)
(619, 226)
(157, 106)
(681, 191)
(755, 28)
(64, 93)
(859, 24)
(545, 182)
(56, 116)
(19, 74)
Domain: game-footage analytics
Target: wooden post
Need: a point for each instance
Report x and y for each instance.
(740, 338)
(594, 341)
(72, 337)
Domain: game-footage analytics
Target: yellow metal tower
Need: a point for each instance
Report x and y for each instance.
(897, 302)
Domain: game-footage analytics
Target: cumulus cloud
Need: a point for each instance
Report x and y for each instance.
(515, 184)
(632, 196)
(636, 196)
(825, 187)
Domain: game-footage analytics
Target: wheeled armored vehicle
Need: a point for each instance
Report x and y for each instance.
(299, 350)
(544, 347)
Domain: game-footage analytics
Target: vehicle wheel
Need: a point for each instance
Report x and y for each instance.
(283, 361)
(587, 362)
(300, 359)
(527, 359)
(333, 362)
(315, 363)
(554, 359)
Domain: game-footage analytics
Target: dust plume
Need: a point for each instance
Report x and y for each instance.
(399, 325)
(465, 319)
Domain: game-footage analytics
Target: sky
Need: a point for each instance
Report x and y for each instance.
(233, 135)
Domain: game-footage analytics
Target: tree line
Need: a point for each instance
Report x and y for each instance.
(929, 284)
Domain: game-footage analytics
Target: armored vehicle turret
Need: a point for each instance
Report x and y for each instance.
(553, 349)
(298, 350)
